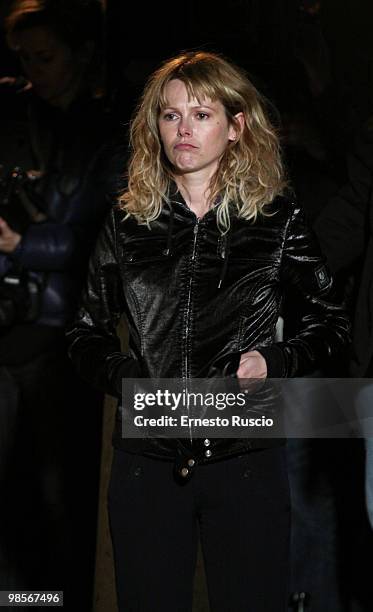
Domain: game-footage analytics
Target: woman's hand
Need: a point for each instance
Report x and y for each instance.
(9, 239)
(252, 365)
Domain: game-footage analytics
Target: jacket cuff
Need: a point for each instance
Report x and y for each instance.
(128, 368)
(275, 359)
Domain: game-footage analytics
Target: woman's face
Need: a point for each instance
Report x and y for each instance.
(194, 134)
(48, 62)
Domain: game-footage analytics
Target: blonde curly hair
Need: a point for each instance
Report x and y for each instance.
(250, 173)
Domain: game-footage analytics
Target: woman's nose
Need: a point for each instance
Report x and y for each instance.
(184, 128)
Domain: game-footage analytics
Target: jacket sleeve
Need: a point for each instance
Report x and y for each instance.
(94, 345)
(324, 329)
(341, 226)
(57, 245)
(46, 246)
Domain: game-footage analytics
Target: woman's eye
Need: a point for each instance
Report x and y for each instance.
(202, 115)
(169, 116)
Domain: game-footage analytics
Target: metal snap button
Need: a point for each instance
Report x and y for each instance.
(184, 472)
(207, 442)
(208, 453)
(191, 462)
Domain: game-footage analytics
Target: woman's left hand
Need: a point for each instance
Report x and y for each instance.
(252, 365)
(9, 239)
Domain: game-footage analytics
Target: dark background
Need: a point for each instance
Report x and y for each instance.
(259, 34)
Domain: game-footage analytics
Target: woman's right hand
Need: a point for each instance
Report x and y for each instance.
(252, 365)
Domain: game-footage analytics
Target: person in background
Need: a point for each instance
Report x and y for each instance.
(345, 231)
(56, 181)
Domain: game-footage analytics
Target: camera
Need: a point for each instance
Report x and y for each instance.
(20, 204)
(20, 289)
(20, 298)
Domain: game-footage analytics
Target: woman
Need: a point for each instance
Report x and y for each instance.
(197, 255)
(58, 143)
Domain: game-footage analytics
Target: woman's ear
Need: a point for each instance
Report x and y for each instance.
(236, 128)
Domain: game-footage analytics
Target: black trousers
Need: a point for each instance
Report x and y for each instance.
(240, 506)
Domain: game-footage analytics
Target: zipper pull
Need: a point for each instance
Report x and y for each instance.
(195, 232)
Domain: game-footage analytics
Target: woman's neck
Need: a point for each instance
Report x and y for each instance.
(195, 191)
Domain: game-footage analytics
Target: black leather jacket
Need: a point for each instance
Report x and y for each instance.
(195, 300)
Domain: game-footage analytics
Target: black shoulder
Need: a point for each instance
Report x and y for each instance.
(282, 207)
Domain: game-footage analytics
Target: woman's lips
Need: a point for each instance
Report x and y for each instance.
(184, 147)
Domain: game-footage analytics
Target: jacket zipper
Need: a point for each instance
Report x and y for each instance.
(188, 313)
